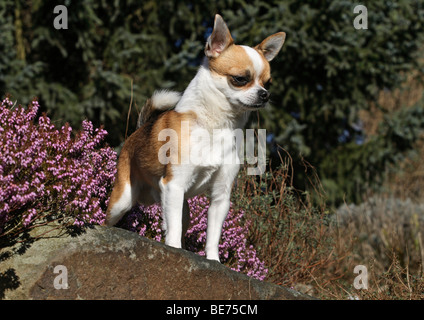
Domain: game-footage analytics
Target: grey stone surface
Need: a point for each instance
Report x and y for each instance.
(112, 263)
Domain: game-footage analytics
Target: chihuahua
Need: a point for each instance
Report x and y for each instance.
(232, 81)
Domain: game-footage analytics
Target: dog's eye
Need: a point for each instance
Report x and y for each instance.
(240, 80)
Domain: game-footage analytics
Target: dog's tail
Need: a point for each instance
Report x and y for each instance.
(161, 101)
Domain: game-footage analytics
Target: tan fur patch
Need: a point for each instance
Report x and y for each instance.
(123, 177)
(139, 164)
(145, 146)
(234, 61)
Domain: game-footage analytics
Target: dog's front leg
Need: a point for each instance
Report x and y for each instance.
(218, 209)
(217, 213)
(172, 199)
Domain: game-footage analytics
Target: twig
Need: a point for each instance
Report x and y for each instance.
(129, 110)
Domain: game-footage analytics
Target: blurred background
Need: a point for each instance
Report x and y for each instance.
(346, 109)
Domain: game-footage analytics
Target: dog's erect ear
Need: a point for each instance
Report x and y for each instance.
(219, 40)
(271, 45)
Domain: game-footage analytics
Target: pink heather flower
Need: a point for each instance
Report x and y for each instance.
(47, 174)
(29, 216)
(233, 250)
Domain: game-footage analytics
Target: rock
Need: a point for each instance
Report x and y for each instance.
(112, 263)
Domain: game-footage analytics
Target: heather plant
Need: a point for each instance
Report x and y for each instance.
(48, 174)
(234, 249)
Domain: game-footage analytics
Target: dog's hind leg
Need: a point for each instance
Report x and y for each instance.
(124, 193)
(121, 201)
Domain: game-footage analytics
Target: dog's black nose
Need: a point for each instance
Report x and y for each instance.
(264, 95)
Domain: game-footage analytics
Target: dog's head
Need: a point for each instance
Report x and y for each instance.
(241, 73)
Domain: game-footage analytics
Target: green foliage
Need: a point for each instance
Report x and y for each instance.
(395, 140)
(109, 52)
(115, 52)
